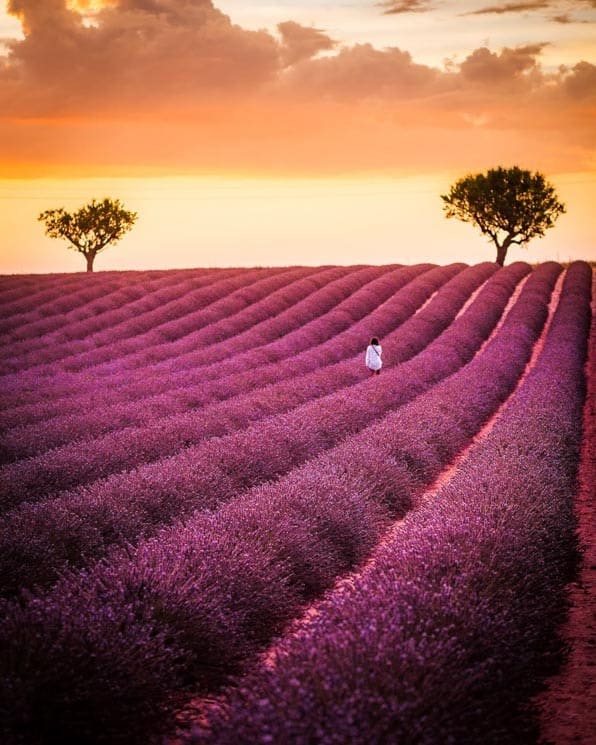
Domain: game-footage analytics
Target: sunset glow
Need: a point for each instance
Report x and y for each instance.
(301, 133)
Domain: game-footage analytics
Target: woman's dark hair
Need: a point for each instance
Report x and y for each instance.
(374, 341)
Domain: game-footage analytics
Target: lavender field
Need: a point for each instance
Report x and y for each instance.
(217, 527)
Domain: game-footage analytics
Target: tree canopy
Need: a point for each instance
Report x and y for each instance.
(510, 205)
(90, 229)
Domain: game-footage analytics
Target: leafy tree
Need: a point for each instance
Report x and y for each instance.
(91, 228)
(509, 205)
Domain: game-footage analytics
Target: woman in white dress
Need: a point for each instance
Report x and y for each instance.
(374, 353)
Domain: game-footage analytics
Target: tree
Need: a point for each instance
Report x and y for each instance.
(91, 228)
(509, 205)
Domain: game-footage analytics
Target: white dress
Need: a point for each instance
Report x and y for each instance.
(373, 357)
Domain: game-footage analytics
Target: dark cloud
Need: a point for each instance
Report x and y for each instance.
(561, 9)
(301, 42)
(406, 6)
(137, 51)
(581, 82)
(515, 7)
(34, 14)
(361, 72)
(486, 67)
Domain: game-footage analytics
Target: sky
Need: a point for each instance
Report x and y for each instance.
(295, 132)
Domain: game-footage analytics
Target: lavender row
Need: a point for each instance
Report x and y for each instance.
(266, 341)
(38, 539)
(332, 285)
(187, 390)
(330, 338)
(35, 295)
(33, 313)
(179, 399)
(277, 314)
(73, 465)
(127, 302)
(10, 322)
(68, 287)
(375, 306)
(65, 384)
(77, 463)
(198, 295)
(197, 602)
(452, 629)
(214, 305)
(18, 286)
(262, 328)
(249, 298)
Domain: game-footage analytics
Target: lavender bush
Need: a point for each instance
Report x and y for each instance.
(73, 386)
(138, 296)
(206, 595)
(37, 539)
(465, 596)
(212, 303)
(181, 393)
(159, 437)
(446, 635)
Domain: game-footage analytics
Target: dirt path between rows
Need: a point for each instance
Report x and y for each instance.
(568, 706)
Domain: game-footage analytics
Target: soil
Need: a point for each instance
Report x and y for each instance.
(568, 706)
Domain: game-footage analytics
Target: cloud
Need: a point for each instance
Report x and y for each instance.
(139, 51)
(515, 7)
(566, 18)
(362, 72)
(406, 6)
(300, 42)
(487, 68)
(561, 8)
(580, 84)
(174, 84)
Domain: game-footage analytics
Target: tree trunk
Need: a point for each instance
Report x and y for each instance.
(90, 257)
(501, 253)
(502, 248)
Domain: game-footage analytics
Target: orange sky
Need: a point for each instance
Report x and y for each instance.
(409, 89)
